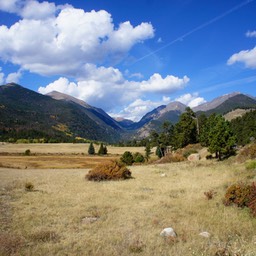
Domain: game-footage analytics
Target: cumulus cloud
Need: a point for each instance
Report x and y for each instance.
(251, 33)
(13, 77)
(107, 88)
(248, 57)
(138, 108)
(30, 9)
(191, 100)
(48, 42)
(168, 84)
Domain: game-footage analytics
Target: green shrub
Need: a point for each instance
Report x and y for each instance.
(29, 186)
(112, 170)
(251, 165)
(187, 153)
(27, 152)
(138, 158)
(127, 158)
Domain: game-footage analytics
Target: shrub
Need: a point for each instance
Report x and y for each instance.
(45, 236)
(187, 153)
(112, 170)
(248, 152)
(27, 152)
(238, 194)
(138, 158)
(251, 165)
(127, 158)
(210, 194)
(252, 200)
(29, 186)
(172, 158)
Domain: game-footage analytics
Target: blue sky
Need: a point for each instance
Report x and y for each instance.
(129, 57)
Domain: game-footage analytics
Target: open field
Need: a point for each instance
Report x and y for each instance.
(62, 148)
(68, 215)
(57, 156)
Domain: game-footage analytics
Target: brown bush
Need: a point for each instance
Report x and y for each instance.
(252, 200)
(172, 158)
(112, 170)
(242, 195)
(248, 152)
(210, 194)
(238, 194)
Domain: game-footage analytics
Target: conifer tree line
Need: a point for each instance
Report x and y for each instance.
(214, 132)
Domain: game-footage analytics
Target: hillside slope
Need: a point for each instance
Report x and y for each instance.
(27, 114)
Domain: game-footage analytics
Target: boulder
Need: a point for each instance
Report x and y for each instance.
(168, 232)
(194, 157)
(205, 234)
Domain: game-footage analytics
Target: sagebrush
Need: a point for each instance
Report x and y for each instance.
(112, 170)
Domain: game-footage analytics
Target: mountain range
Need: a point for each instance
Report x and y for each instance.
(57, 116)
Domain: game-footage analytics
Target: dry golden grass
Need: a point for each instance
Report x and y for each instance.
(62, 148)
(67, 215)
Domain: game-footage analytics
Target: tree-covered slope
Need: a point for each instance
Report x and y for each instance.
(27, 114)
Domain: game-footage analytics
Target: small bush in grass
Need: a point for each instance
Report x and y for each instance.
(238, 194)
(242, 195)
(27, 152)
(172, 157)
(187, 153)
(210, 194)
(138, 158)
(127, 158)
(112, 170)
(45, 236)
(252, 199)
(251, 165)
(29, 186)
(248, 152)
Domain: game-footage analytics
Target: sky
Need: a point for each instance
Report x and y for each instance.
(129, 57)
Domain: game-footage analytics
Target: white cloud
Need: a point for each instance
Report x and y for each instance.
(14, 77)
(251, 33)
(107, 88)
(138, 108)
(248, 57)
(47, 42)
(168, 84)
(191, 100)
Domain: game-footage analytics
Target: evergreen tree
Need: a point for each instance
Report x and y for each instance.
(91, 149)
(221, 138)
(147, 151)
(245, 127)
(185, 131)
(101, 149)
(105, 150)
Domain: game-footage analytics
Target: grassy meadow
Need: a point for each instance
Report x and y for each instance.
(67, 215)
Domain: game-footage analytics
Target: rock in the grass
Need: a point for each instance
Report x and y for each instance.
(167, 232)
(89, 220)
(194, 157)
(163, 175)
(205, 234)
